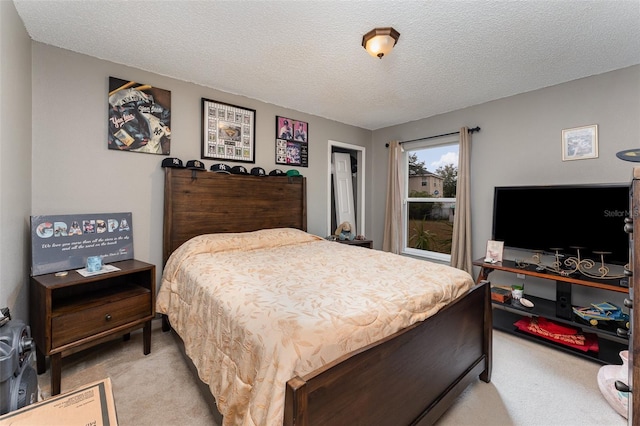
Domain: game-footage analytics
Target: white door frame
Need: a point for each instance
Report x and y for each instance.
(361, 152)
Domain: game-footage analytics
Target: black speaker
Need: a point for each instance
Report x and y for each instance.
(563, 300)
(18, 379)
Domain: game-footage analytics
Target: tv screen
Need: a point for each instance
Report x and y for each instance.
(565, 216)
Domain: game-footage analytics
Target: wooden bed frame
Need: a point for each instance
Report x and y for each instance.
(411, 377)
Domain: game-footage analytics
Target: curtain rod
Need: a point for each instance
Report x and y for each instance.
(472, 130)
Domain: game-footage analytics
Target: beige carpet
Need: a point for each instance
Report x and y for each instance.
(531, 385)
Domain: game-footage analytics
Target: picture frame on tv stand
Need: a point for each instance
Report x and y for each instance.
(495, 251)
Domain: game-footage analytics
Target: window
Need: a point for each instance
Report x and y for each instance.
(430, 198)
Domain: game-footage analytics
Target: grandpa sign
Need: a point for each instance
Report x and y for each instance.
(64, 242)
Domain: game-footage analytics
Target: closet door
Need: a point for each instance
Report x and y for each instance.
(343, 190)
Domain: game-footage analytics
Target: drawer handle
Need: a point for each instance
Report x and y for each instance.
(107, 317)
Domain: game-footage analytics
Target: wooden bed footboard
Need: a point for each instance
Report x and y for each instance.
(409, 378)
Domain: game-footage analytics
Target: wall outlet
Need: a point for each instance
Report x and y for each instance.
(520, 276)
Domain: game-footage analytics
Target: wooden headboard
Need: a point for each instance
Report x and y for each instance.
(203, 202)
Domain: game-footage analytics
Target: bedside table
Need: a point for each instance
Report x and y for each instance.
(72, 313)
(361, 243)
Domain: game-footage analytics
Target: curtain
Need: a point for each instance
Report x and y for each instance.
(392, 239)
(461, 239)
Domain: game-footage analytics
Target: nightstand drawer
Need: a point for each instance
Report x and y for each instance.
(69, 327)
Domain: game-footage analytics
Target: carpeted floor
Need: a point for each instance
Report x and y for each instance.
(531, 385)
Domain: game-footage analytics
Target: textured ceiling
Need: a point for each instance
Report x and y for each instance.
(307, 55)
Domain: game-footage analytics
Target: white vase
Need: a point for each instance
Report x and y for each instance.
(623, 374)
(607, 377)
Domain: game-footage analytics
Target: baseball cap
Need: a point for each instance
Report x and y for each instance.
(258, 171)
(277, 172)
(220, 168)
(195, 165)
(239, 170)
(172, 162)
(293, 172)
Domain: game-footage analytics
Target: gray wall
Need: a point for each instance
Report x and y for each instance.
(67, 167)
(520, 141)
(74, 172)
(15, 160)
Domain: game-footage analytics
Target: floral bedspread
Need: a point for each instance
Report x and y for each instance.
(256, 309)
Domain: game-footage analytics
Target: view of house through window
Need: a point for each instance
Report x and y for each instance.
(430, 202)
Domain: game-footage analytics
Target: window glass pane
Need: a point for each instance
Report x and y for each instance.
(435, 168)
(430, 203)
(430, 226)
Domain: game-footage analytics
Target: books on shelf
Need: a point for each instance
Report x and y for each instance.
(499, 294)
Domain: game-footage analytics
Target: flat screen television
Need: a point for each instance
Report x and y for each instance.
(564, 216)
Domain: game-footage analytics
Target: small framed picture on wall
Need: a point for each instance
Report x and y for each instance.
(580, 143)
(292, 142)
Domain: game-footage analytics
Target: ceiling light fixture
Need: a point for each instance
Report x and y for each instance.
(379, 41)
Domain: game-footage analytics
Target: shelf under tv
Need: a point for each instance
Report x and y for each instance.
(506, 314)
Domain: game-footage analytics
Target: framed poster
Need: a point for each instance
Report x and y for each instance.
(139, 117)
(292, 142)
(580, 143)
(228, 132)
(64, 242)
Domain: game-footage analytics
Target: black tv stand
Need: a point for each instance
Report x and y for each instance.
(610, 340)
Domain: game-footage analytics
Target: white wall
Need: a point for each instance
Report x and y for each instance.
(15, 161)
(74, 172)
(520, 141)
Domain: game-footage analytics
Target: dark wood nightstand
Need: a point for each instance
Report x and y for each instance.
(72, 313)
(362, 243)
